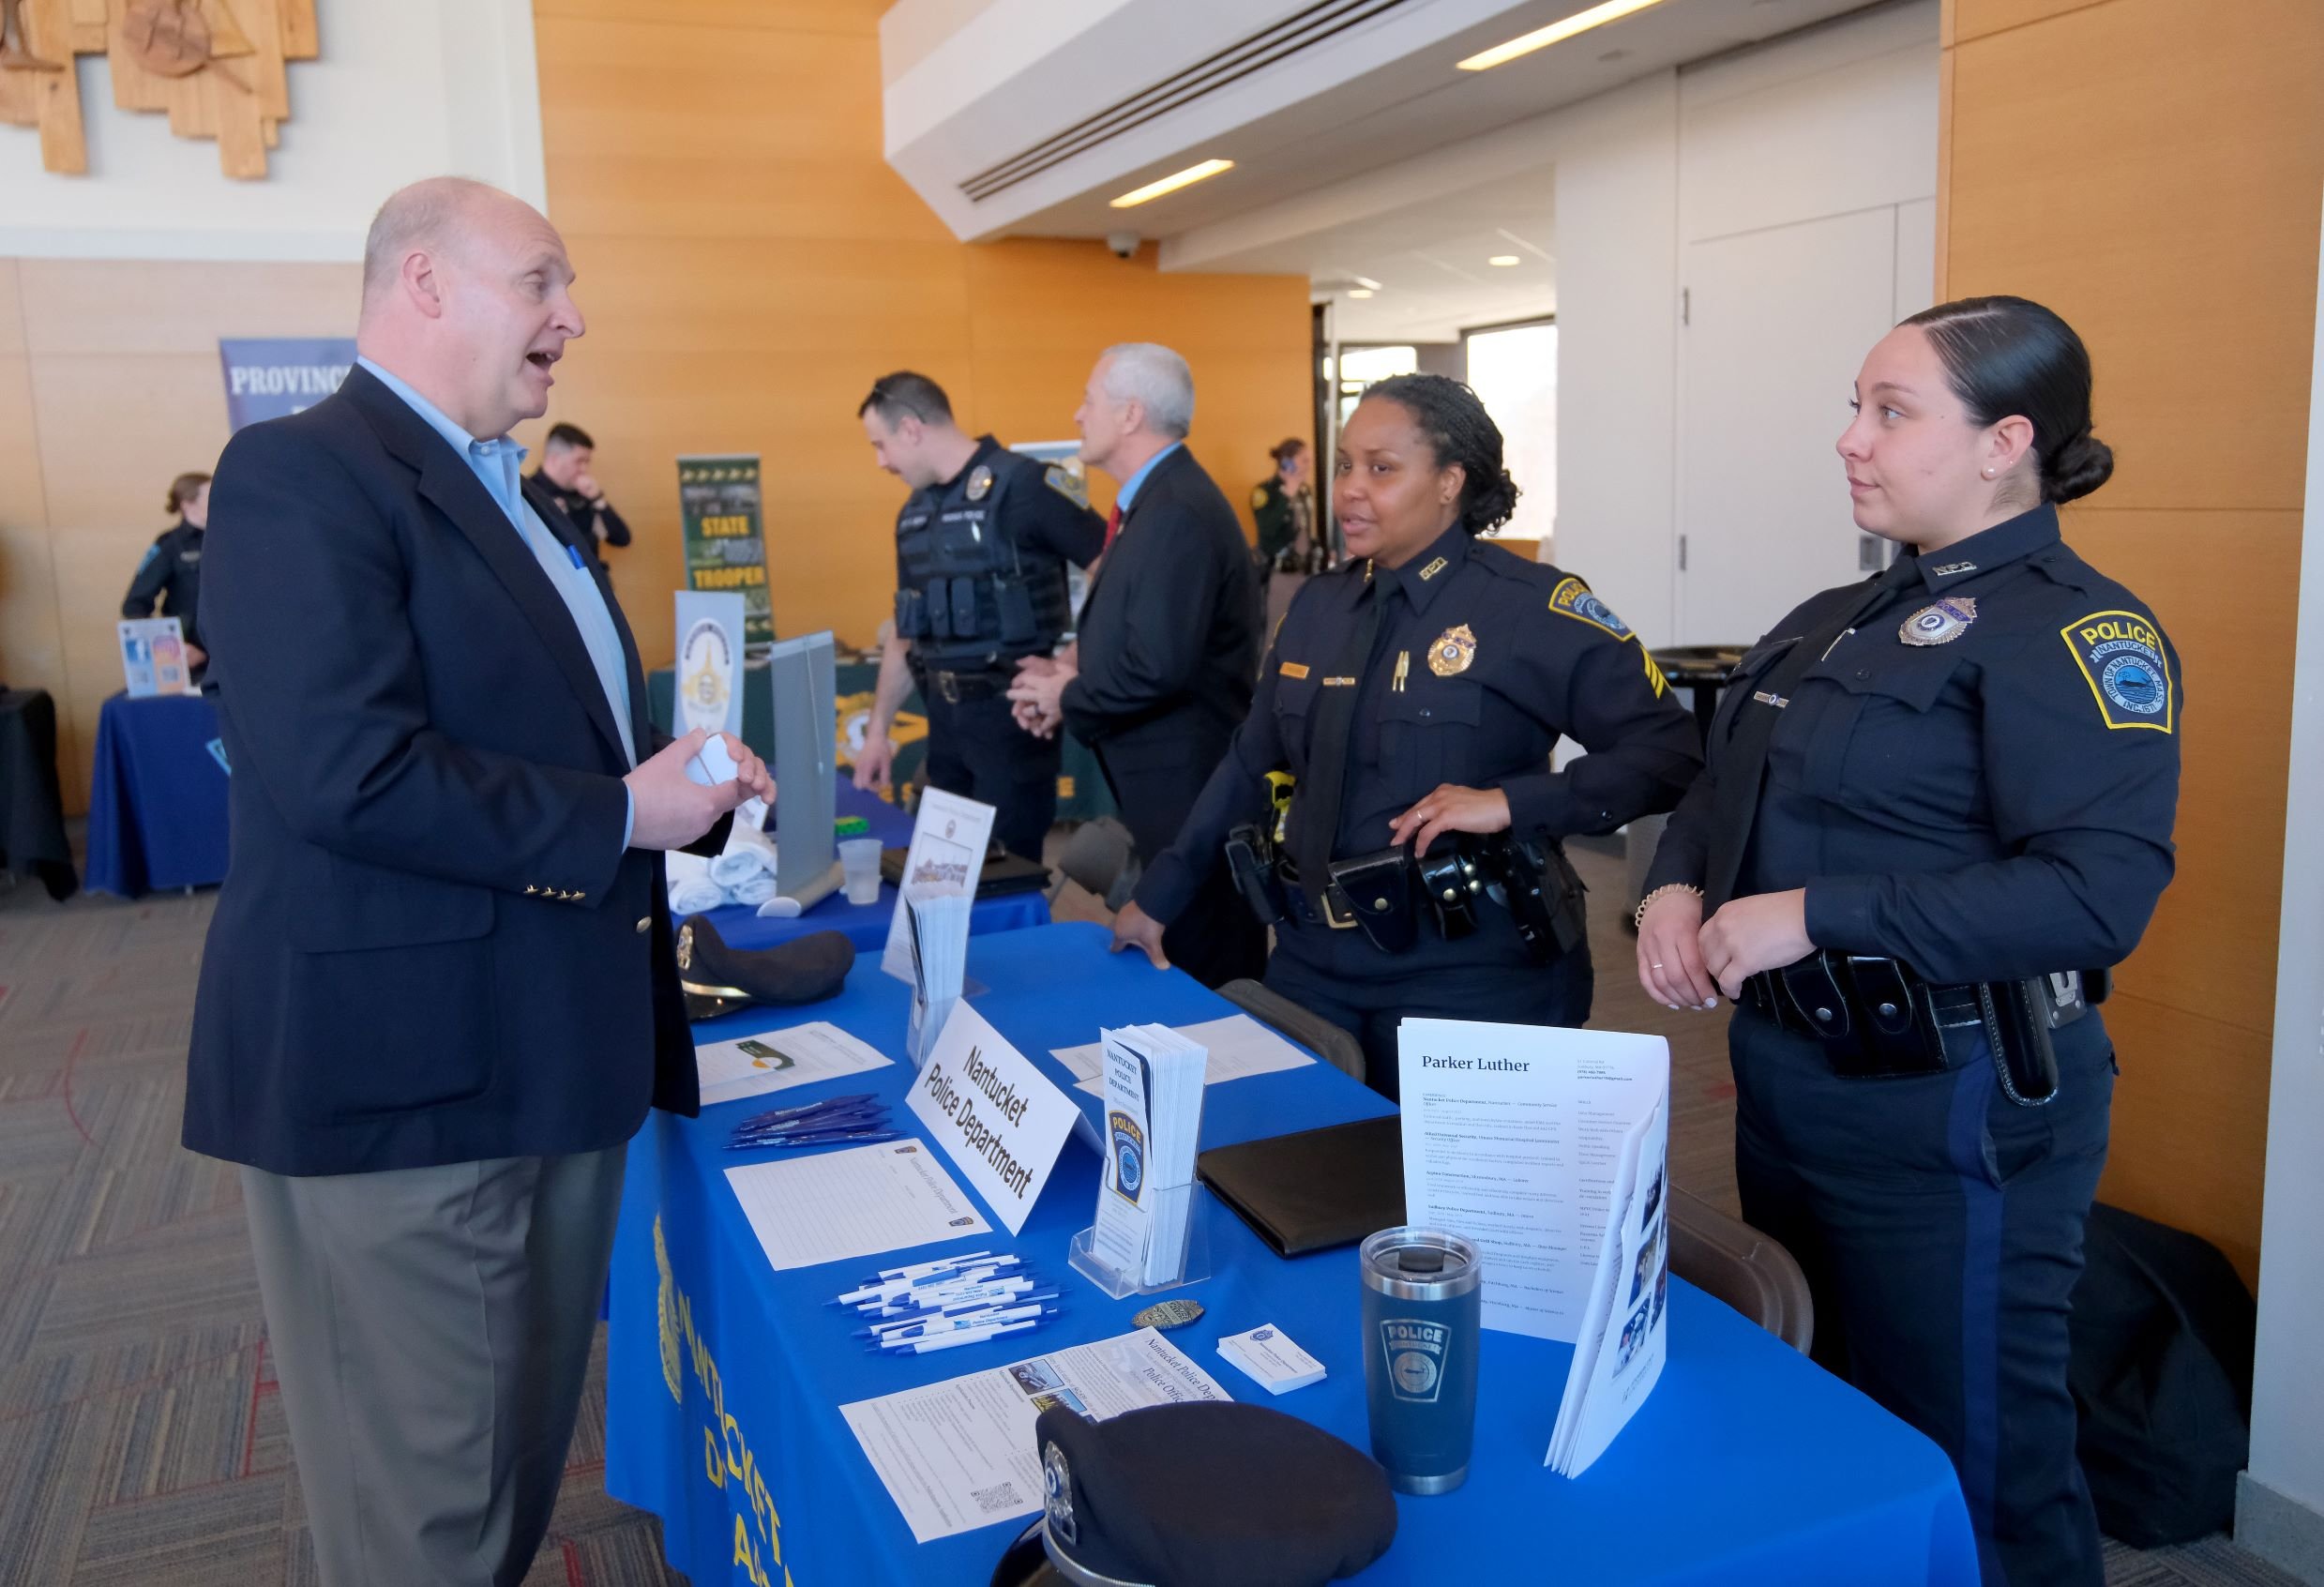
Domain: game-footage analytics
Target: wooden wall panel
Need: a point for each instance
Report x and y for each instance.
(138, 306)
(748, 265)
(2160, 191)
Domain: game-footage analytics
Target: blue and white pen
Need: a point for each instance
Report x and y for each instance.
(953, 1300)
(983, 1320)
(941, 1264)
(854, 1099)
(825, 1137)
(888, 1286)
(952, 1306)
(961, 1337)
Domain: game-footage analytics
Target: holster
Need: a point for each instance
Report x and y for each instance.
(1379, 888)
(1451, 881)
(2017, 1016)
(1546, 896)
(1250, 860)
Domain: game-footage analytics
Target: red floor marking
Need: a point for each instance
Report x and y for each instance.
(249, 1434)
(72, 1112)
(574, 1575)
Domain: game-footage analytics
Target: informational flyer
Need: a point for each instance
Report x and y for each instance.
(1514, 1136)
(753, 1065)
(153, 657)
(948, 843)
(1619, 1355)
(958, 1454)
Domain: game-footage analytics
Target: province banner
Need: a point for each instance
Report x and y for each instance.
(725, 540)
(272, 377)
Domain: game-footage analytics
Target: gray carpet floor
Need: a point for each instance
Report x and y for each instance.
(141, 1436)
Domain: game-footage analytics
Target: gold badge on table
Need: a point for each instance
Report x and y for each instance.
(980, 483)
(1454, 649)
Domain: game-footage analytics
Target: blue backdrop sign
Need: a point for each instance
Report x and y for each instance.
(268, 377)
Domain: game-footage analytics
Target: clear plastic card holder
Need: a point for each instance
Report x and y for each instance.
(1189, 1264)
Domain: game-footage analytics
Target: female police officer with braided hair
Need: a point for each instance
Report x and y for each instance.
(1936, 803)
(1408, 708)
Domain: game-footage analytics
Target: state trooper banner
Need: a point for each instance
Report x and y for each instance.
(719, 504)
(273, 377)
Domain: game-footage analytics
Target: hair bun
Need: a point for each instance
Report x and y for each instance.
(1491, 504)
(2081, 465)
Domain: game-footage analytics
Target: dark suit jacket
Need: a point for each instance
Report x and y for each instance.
(431, 945)
(1168, 648)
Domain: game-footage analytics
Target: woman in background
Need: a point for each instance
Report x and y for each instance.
(170, 574)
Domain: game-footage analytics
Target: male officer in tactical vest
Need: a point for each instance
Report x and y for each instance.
(981, 548)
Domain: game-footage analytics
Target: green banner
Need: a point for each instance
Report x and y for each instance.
(725, 537)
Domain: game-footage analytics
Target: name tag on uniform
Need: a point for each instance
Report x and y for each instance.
(1764, 698)
(1295, 669)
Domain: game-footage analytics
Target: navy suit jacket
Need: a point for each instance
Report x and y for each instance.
(431, 945)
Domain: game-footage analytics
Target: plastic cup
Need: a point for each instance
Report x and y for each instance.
(859, 859)
(1421, 1316)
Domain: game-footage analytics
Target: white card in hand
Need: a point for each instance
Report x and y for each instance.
(711, 765)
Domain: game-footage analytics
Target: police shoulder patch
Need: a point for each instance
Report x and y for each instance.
(1572, 598)
(2122, 660)
(1259, 498)
(1067, 484)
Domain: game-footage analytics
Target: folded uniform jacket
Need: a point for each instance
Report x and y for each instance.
(1316, 1189)
(718, 978)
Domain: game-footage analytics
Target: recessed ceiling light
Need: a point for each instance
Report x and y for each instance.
(1541, 37)
(1171, 182)
(1504, 260)
(1359, 292)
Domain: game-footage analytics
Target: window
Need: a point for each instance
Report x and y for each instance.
(1513, 372)
(1361, 366)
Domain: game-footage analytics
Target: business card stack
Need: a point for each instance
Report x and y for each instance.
(1153, 1123)
(939, 920)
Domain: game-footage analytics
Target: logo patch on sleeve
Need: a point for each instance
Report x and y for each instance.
(2121, 658)
(1572, 597)
(1066, 483)
(1258, 498)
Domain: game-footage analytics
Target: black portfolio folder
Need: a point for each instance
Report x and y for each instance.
(1317, 1189)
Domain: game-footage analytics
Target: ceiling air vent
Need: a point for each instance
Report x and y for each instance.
(1261, 50)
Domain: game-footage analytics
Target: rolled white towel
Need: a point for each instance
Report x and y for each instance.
(754, 889)
(736, 866)
(698, 897)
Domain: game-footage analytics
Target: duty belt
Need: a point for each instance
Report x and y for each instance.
(952, 688)
(1877, 1018)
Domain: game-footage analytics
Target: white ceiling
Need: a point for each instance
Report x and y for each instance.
(1429, 263)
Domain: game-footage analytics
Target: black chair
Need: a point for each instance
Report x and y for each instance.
(1312, 1031)
(1732, 1262)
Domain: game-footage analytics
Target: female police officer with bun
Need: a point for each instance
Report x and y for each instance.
(1389, 805)
(1937, 810)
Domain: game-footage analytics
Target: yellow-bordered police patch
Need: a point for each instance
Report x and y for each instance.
(1259, 498)
(1067, 484)
(1572, 598)
(2129, 671)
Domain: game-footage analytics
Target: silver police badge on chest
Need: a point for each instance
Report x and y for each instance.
(980, 483)
(1940, 624)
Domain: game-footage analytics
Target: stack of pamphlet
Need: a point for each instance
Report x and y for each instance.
(938, 917)
(1624, 1340)
(1154, 1122)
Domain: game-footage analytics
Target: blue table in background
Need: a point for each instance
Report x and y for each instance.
(1749, 1464)
(866, 925)
(156, 796)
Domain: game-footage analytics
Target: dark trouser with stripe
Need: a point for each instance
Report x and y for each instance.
(976, 749)
(1940, 1229)
(1369, 1006)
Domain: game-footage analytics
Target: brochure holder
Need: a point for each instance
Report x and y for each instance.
(1190, 1262)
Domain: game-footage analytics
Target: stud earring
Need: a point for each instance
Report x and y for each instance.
(1988, 473)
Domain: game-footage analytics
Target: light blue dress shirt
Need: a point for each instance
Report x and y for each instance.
(1128, 493)
(498, 465)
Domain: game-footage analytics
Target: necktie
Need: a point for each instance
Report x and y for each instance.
(1113, 527)
(1314, 812)
(1743, 760)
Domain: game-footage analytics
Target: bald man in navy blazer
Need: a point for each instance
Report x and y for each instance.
(438, 992)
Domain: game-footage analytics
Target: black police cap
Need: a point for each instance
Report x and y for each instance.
(1209, 1494)
(718, 978)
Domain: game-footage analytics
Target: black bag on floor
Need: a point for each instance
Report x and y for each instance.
(2162, 1376)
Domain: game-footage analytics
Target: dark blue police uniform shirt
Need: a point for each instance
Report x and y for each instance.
(1482, 659)
(1992, 802)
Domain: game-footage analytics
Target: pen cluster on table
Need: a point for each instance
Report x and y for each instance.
(857, 1120)
(961, 1300)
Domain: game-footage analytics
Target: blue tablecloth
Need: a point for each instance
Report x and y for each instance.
(156, 796)
(866, 925)
(1749, 1464)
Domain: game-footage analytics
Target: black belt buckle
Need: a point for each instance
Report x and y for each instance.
(1451, 883)
(1379, 891)
(948, 687)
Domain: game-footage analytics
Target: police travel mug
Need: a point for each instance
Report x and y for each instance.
(1420, 1355)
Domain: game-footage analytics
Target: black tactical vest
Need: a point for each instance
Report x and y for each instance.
(970, 599)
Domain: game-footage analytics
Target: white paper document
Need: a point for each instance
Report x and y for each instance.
(998, 1119)
(778, 1059)
(1619, 1355)
(958, 1454)
(888, 1196)
(948, 841)
(1239, 1046)
(1514, 1137)
(1154, 1122)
